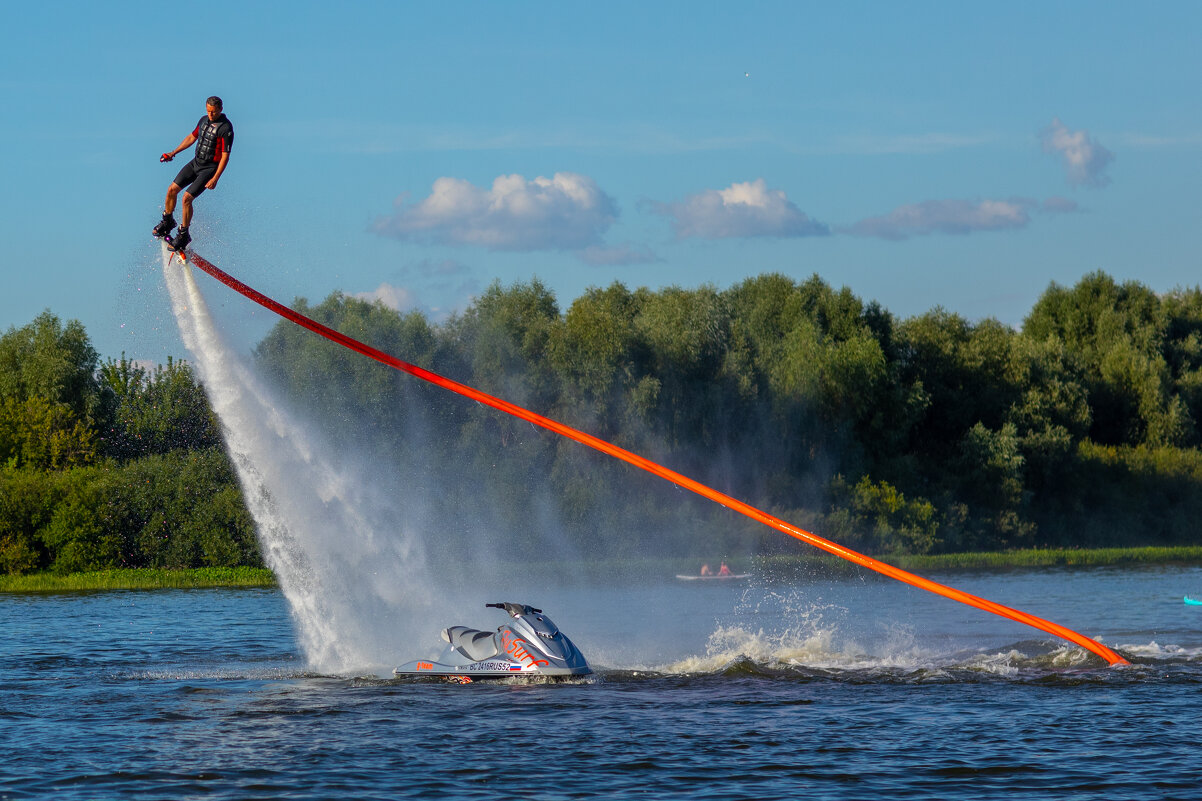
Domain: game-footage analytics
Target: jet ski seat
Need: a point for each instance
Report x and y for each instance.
(472, 643)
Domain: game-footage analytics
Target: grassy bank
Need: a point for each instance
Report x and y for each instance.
(140, 580)
(784, 567)
(1058, 557)
(813, 563)
(994, 560)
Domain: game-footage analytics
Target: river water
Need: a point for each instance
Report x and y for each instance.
(841, 688)
(818, 687)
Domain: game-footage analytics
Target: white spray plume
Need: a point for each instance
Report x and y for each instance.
(351, 578)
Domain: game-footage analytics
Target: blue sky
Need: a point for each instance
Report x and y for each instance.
(954, 154)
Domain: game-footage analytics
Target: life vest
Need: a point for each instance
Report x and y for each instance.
(213, 138)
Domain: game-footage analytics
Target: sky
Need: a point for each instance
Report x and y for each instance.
(922, 154)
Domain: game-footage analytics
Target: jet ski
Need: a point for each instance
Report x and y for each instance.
(528, 645)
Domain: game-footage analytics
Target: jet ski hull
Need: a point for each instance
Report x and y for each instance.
(490, 669)
(530, 645)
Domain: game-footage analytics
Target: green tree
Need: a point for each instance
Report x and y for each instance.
(966, 372)
(954, 434)
(156, 412)
(763, 311)
(76, 535)
(353, 398)
(40, 434)
(1051, 416)
(181, 509)
(686, 334)
(990, 472)
(46, 359)
(26, 504)
(880, 519)
(1121, 333)
(1183, 351)
(599, 356)
(506, 337)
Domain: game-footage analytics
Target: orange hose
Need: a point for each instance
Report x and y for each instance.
(661, 471)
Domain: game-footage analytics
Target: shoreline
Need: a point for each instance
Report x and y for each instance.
(767, 567)
(1032, 558)
(1053, 557)
(139, 579)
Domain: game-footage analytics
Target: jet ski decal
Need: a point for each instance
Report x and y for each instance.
(515, 647)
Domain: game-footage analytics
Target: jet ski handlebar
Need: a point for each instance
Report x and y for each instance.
(515, 609)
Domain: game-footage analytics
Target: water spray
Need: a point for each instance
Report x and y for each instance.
(657, 469)
(343, 606)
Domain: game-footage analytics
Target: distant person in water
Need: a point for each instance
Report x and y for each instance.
(724, 570)
(705, 570)
(214, 138)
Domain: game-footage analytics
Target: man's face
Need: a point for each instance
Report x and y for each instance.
(213, 112)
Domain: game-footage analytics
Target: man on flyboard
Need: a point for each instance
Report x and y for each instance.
(214, 138)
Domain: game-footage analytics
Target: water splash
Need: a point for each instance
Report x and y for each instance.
(350, 576)
(786, 629)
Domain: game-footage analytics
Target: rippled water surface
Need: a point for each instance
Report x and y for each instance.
(824, 689)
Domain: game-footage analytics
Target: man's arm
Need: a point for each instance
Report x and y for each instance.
(184, 145)
(212, 182)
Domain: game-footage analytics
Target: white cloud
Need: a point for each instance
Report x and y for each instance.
(741, 210)
(394, 297)
(566, 212)
(1085, 160)
(945, 217)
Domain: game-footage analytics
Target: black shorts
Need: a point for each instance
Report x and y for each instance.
(194, 178)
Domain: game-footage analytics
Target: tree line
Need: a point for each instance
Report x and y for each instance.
(109, 464)
(924, 435)
(928, 434)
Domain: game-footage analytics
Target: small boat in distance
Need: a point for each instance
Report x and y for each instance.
(722, 574)
(1192, 601)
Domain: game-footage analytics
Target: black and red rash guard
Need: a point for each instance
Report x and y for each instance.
(213, 139)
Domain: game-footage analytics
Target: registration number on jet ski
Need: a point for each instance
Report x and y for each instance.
(494, 667)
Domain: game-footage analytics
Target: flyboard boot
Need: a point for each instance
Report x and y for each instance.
(164, 227)
(180, 241)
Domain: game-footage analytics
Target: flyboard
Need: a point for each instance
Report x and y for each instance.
(728, 577)
(169, 246)
(655, 468)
